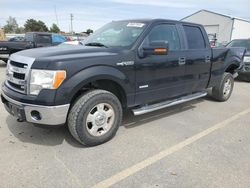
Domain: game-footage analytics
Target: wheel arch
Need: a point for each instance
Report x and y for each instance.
(100, 77)
(232, 67)
(104, 84)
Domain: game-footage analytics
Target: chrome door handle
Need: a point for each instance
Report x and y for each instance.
(182, 61)
(207, 59)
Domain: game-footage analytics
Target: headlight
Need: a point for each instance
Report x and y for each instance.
(45, 79)
(247, 59)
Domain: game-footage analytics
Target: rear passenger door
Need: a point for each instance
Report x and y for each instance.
(198, 58)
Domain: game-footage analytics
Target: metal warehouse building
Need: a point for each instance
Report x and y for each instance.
(225, 28)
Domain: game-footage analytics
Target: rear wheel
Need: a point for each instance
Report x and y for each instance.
(223, 91)
(95, 117)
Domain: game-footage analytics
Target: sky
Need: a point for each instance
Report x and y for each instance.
(95, 13)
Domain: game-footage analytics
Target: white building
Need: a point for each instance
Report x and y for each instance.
(224, 27)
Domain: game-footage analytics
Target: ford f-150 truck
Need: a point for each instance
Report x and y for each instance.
(31, 40)
(142, 65)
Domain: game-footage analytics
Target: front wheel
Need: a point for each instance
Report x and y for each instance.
(95, 117)
(223, 91)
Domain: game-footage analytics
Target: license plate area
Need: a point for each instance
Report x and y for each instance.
(15, 110)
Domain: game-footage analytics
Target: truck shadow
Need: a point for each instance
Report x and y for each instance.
(40, 134)
(52, 136)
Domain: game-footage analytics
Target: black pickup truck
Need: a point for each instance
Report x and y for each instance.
(142, 65)
(31, 40)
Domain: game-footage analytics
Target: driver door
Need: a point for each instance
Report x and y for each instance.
(161, 77)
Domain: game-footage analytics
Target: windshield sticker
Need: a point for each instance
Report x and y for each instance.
(135, 24)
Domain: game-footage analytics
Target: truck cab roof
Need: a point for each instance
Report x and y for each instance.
(157, 20)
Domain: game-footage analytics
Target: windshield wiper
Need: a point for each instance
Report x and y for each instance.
(96, 44)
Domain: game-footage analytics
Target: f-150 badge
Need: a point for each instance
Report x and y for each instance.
(125, 63)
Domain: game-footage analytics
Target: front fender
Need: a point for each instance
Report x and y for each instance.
(71, 86)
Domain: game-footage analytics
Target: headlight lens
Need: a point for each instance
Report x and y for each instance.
(45, 79)
(247, 59)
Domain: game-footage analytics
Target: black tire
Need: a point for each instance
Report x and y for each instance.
(218, 92)
(77, 118)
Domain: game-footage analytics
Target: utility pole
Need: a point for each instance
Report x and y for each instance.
(71, 22)
(56, 16)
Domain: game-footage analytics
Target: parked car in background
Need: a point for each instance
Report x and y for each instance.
(244, 73)
(31, 40)
(212, 40)
(75, 42)
(16, 39)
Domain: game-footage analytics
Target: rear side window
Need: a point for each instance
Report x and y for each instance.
(58, 38)
(29, 37)
(195, 38)
(43, 39)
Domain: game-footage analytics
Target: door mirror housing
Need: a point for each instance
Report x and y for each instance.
(154, 48)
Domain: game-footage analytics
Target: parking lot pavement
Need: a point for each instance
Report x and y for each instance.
(202, 143)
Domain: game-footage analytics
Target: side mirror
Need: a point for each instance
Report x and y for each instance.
(155, 48)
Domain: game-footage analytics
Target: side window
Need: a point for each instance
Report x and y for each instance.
(58, 38)
(29, 37)
(195, 38)
(164, 32)
(43, 39)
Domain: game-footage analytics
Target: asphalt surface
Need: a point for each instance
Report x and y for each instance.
(202, 143)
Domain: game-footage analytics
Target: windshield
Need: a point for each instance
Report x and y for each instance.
(121, 33)
(240, 43)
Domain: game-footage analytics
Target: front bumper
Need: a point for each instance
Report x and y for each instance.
(4, 56)
(39, 114)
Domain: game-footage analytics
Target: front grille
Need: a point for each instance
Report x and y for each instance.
(17, 76)
(16, 64)
(16, 86)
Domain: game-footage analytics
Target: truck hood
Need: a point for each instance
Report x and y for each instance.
(63, 50)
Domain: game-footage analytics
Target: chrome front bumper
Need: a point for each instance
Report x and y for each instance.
(49, 115)
(4, 56)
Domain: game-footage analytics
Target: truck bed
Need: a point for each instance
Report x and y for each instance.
(10, 47)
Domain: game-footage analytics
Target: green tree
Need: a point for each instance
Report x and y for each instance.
(89, 31)
(20, 30)
(54, 28)
(34, 25)
(11, 25)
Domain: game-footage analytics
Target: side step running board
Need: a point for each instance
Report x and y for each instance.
(158, 106)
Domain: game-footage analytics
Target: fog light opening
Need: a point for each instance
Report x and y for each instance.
(36, 115)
